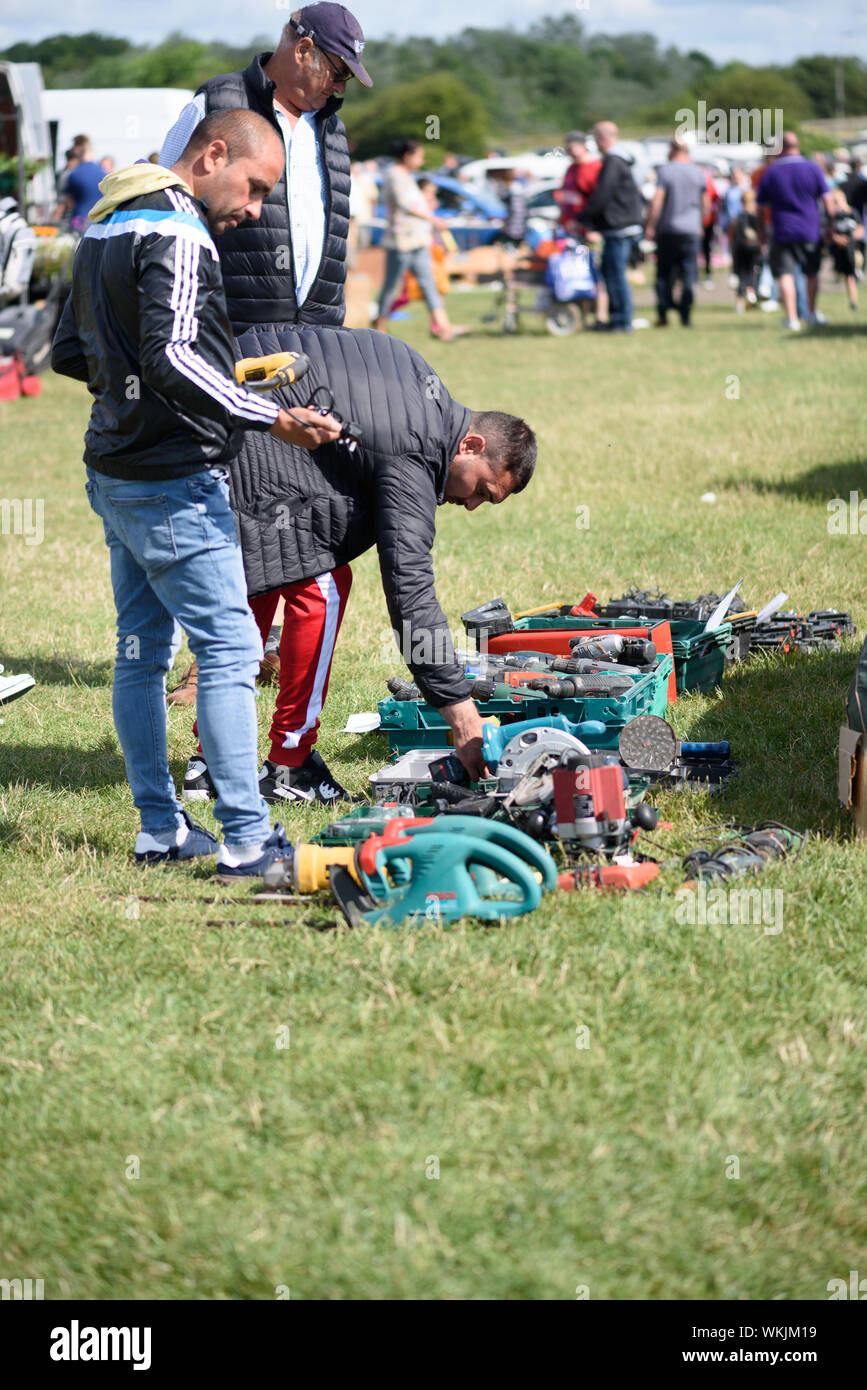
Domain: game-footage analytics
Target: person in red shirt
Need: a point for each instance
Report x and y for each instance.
(708, 224)
(580, 180)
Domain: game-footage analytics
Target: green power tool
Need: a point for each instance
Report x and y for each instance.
(441, 870)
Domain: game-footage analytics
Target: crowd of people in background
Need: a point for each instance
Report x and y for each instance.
(772, 224)
(78, 182)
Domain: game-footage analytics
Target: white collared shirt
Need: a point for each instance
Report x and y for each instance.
(305, 184)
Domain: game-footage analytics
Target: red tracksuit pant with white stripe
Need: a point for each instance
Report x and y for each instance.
(312, 616)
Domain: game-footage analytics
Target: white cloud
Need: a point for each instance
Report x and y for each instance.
(756, 33)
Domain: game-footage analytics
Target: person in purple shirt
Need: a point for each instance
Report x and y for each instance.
(791, 188)
(82, 187)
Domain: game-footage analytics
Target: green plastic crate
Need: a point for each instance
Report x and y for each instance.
(699, 656)
(415, 724)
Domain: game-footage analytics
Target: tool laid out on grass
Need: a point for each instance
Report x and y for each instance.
(538, 769)
(647, 749)
(743, 851)
(281, 369)
(609, 876)
(419, 869)
(708, 633)
(593, 680)
(573, 739)
(796, 632)
(653, 603)
(611, 651)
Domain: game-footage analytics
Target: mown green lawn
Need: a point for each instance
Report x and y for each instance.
(143, 1014)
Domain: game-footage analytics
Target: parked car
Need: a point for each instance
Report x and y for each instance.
(539, 169)
(473, 216)
(542, 207)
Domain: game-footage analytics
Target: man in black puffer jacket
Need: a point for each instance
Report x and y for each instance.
(289, 266)
(303, 516)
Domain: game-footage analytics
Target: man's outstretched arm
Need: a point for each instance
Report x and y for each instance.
(406, 514)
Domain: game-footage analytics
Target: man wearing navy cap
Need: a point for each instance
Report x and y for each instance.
(289, 267)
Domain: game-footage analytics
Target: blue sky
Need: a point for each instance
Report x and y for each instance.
(756, 31)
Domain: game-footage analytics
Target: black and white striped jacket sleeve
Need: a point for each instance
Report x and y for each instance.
(185, 346)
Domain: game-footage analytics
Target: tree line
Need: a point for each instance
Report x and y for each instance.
(489, 85)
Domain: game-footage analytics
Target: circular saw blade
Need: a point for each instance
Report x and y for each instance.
(648, 742)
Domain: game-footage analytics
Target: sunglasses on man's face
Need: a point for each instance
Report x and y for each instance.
(342, 72)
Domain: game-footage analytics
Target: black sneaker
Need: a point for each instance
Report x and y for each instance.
(197, 781)
(310, 782)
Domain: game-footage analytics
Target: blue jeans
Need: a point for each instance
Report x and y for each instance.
(802, 308)
(615, 258)
(397, 263)
(175, 559)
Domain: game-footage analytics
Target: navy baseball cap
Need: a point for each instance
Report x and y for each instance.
(333, 28)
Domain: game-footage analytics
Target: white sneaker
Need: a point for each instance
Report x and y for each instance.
(770, 306)
(751, 296)
(13, 686)
(791, 325)
(817, 318)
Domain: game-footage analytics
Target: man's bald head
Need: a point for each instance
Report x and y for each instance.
(244, 133)
(791, 143)
(231, 163)
(605, 134)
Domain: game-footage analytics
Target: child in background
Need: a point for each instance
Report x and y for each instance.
(442, 242)
(746, 246)
(844, 229)
(510, 186)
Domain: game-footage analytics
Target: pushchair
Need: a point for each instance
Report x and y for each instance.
(562, 272)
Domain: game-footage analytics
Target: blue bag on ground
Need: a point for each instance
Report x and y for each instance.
(572, 275)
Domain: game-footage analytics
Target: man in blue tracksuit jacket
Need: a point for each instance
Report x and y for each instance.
(146, 328)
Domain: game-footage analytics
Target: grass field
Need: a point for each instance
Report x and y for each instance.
(159, 1141)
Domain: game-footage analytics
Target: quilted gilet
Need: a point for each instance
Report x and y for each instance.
(300, 514)
(257, 289)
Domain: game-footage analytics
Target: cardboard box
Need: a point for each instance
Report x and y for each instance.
(852, 777)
